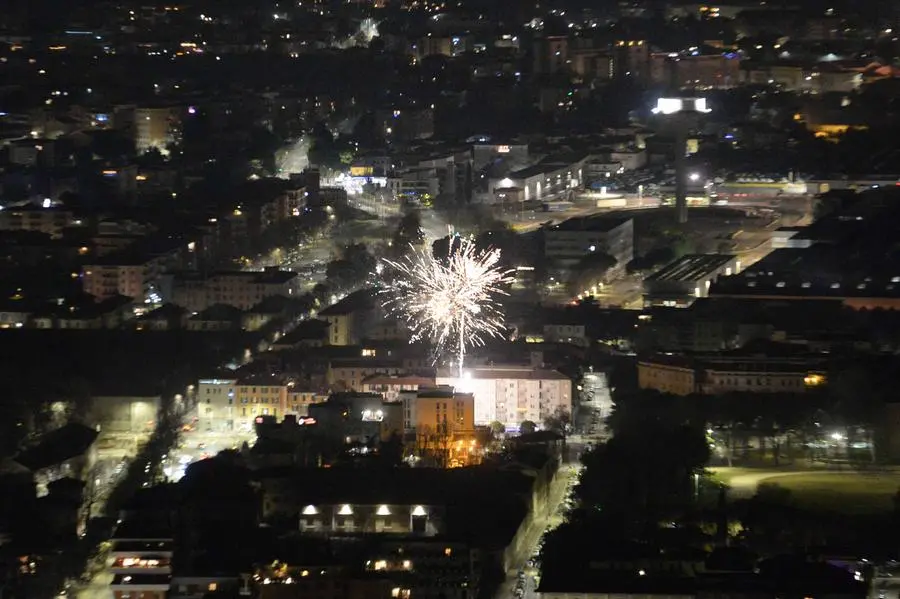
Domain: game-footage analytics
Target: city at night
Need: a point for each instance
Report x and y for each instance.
(449, 299)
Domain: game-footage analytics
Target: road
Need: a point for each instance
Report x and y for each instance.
(98, 588)
(199, 445)
(553, 516)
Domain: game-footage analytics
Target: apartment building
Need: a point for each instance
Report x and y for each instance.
(132, 274)
(156, 128)
(348, 319)
(51, 221)
(240, 289)
(438, 408)
(391, 387)
(730, 373)
(512, 394)
(225, 405)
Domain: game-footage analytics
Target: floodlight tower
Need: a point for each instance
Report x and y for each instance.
(682, 114)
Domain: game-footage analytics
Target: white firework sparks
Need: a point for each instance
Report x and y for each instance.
(452, 301)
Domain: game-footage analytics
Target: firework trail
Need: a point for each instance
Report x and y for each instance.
(451, 300)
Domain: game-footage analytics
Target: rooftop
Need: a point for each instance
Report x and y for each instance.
(509, 372)
(691, 267)
(599, 223)
(356, 301)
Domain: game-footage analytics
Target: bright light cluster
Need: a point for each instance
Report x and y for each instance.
(451, 300)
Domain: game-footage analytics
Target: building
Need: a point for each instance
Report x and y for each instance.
(572, 240)
(124, 413)
(227, 405)
(551, 54)
(439, 408)
(51, 221)
(156, 128)
(568, 332)
(484, 154)
(405, 123)
(391, 387)
(440, 423)
(512, 394)
(738, 371)
(240, 289)
(690, 277)
(141, 565)
(555, 179)
(698, 71)
(351, 374)
(348, 319)
(846, 256)
(125, 273)
(358, 417)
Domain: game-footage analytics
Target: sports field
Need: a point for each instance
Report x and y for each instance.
(845, 491)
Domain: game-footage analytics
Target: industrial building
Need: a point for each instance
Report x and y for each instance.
(572, 240)
(679, 283)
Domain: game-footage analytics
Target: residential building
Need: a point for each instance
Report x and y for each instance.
(738, 371)
(350, 374)
(439, 408)
(551, 54)
(347, 320)
(156, 127)
(50, 220)
(512, 394)
(240, 289)
(125, 274)
(392, 386)
(569, 332)
(225, 405)
(698, 71)
(358, 417)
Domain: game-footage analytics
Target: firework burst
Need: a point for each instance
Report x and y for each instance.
(450, 300)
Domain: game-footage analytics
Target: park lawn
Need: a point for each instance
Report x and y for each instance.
(850, 493)
(725, 474)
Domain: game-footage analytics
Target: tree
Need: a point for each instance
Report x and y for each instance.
(433, 444)
(351, 270)
(559, 420)
(527, 427)
(589, 271)
(497, 427)
(409, 231)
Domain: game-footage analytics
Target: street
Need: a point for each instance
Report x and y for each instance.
(519, 572)
(196, 445)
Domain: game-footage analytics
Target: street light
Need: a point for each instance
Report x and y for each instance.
(681, 114)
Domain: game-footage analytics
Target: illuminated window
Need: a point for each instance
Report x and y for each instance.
(213, 586)
(448, 551)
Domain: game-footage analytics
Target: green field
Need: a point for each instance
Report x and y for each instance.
(849, 493)
(844, 491)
